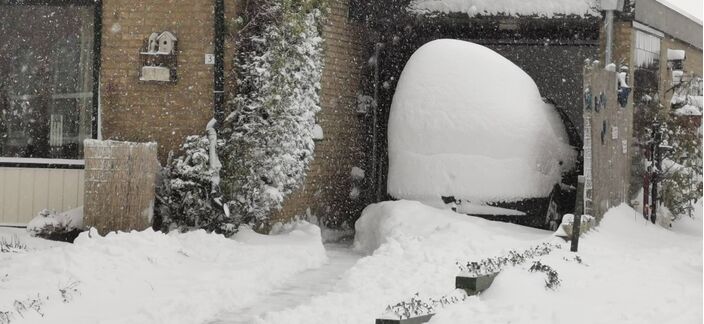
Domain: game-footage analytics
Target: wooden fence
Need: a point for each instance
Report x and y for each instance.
(119, 185)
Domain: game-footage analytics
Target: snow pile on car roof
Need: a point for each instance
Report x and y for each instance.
(542, 8)
(466, 122)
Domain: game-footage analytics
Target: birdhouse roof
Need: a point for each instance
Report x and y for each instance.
(168, 35)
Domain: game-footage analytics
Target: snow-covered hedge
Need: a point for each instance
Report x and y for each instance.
(269, 134)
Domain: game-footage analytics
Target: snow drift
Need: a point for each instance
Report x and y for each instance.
(467, 122)
(412, 248)
(150, 277)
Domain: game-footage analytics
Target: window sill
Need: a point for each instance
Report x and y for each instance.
(41, 163)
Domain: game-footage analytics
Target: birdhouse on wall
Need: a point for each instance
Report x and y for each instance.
(158, 58)
(153, 43)
(167, 42)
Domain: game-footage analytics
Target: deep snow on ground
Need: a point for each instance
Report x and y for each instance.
(411, 248)
(632, 272)
(149, 277)
(497, 142)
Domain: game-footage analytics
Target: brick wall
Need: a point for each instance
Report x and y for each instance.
(328, 183)
(138, 111)
(166, 113)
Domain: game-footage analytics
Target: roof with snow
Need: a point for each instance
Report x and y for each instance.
(670, 20)
(539, 8)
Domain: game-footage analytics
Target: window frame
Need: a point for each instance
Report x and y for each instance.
(21, 162)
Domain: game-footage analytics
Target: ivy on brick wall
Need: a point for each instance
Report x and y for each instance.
(268, 135)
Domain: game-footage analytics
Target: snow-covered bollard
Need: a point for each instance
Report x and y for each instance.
(565, 229)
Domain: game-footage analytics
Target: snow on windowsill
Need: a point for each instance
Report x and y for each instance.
(40, 161)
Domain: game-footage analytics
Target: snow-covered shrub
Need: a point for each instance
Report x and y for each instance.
(553, 279)
(494, 265)
(680, 175)
(269, 134)
(14, 245)
(185, 195)
(50, 225)
(417, 306)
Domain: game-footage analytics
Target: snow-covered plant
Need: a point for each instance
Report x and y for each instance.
(417, 306)
(185, 197)
(681, 143)
(553, 280)
(14, 245)
(269, 140)
(490, 266)
(50, 225)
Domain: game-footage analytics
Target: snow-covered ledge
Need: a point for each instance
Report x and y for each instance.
(39, 161)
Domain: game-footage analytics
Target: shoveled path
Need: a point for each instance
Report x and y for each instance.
(299, 289)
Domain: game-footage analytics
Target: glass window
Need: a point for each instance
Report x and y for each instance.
(46, 80)
(647, 50)
(647, 70)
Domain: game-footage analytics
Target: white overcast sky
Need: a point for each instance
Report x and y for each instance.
(693, 7)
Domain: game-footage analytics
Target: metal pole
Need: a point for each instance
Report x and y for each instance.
(609, 26)
(219, 68)
(376, 156)
(576, 224)
(656, 171)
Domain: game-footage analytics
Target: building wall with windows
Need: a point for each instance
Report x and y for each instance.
(640, 43)
(51, 99)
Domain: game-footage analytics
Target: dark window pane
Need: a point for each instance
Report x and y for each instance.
(46, 61)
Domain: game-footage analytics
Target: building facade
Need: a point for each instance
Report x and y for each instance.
(644, 32)
(74, 69)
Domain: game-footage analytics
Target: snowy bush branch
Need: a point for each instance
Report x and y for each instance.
(269, 133)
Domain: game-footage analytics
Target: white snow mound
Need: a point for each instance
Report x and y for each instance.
(467, 122)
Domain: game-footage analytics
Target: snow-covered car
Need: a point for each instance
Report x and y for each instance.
(469, 129)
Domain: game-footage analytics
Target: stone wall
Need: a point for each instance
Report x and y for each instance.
(611, 139)
(327, 189)
(132, 110)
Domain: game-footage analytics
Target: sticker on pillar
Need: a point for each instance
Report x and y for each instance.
(588, 102)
